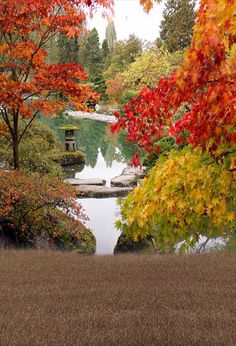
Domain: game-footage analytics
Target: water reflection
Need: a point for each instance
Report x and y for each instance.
(95, 140)
(102, 213)
(106, 157)
(102, 170)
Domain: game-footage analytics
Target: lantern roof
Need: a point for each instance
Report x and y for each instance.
(69, 127)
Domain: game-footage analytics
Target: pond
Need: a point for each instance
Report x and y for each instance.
(106, 156)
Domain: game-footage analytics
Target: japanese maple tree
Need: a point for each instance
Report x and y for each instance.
(28, 84)
(186, 195)
(36, 205)
(189, 193)
(206, 81)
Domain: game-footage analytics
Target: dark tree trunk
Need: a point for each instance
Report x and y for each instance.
(15, 141)
(16, 154)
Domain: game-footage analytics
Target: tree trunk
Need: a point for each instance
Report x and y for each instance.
(15, 140)
(16, 153)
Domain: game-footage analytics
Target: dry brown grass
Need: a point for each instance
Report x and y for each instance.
(52, 298)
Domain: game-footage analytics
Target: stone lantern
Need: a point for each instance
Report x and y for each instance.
(70, 144)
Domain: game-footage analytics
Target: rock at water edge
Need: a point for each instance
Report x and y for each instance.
(125, 244)
(124, 180)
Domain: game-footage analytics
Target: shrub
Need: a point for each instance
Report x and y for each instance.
(34, 151)
(33, 205)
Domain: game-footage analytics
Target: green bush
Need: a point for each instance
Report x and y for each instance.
(128, 95)
(34, 151)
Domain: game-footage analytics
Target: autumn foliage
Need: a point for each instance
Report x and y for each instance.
(205, 80)
(28, 84)
(32, 205)
(186, 195)
(205, 84)
(146, 70)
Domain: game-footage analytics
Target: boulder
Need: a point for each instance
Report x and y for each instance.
(144, 246)
(126, 180)
(85, 246)
(139, 172)
(83, 243)
(67, 158)
(129, 177)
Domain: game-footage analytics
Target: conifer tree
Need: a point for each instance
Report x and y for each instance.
(90, 54)
(93, 59)
(105, 53)
(177, 25)
(111, 35)
(67, 49)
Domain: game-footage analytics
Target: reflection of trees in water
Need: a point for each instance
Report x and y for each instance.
(92, 136)
(117, 148)
(110, 154)
(126, 149)
(108, 148)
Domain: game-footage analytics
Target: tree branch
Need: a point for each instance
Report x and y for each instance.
(7, 120)
(27, 126)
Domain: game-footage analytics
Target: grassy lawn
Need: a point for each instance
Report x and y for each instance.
(53, 298)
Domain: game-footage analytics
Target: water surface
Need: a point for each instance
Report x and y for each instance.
(102, 170)
(106, 156)
(102, 213)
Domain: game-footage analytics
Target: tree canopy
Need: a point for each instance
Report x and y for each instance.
(176, 28)
(206, 83)
(124, 53)
(29, 85)
(145, 71)
(111, 35)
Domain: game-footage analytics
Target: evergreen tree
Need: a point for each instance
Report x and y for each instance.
(111, 35)
(93, 59)
(177, 25)
(51, 48)
(90, 54)
(67, 49)
(94, 54)
(105, 49)
(105, 53)
(82, 46)
(132, 49)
